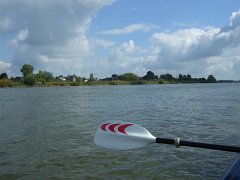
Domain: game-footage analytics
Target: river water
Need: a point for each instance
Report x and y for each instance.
(47, 133)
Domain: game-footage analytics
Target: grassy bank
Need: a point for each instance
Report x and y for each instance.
(11, 83)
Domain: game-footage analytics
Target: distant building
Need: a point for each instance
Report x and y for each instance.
(91, 78)
(18, 78)
(72, 78)
(62, 78)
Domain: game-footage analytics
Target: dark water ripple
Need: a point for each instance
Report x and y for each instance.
(47, 133)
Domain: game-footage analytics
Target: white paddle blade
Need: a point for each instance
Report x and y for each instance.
(121, 135)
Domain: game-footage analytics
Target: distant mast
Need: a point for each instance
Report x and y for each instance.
(91, 76)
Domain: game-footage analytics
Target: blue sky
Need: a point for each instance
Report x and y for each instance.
(164, 36)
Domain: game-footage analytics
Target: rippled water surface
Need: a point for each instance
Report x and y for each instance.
(47, 133)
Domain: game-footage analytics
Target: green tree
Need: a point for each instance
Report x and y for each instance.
(5, 83)
(3, 76)
(184, 77)
(149, 76)
(40, 77)
(211, 79)
(29, 79)
(167, 77)
(128, 77)
(79, 80)
(27, 69)
(44, 76)
(114, 77)
(189, 77)
(180, 77)
(202, 80)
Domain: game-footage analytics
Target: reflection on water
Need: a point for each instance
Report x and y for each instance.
(48, 132)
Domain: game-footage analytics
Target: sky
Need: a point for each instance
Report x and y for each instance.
(108, 37)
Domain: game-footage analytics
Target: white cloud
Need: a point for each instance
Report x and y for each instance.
(5, 24)
(131, 29)
(123, 58)
(128, 57)
(20, 37)
(104, 43)
(53, 36)
(4, 67)
(235, 19)
(50, 34)
(183, 45)
(194, 51)
(216, 64)
(204, 50)
(128, 46)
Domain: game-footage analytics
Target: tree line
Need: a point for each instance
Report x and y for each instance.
(46, 78)
(150, 76)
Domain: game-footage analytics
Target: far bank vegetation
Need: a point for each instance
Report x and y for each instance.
(44, 78)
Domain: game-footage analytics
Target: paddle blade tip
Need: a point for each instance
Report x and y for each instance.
(121, 135)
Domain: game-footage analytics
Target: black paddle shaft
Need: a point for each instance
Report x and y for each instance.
(178, 143)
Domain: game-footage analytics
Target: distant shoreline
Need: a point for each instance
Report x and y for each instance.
(46, 79)
(11, 84)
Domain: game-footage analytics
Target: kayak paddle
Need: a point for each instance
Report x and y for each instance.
(122, 135)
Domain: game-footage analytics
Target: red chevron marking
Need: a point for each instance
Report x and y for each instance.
(103, 127)
(123, 127)
(111, 127)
